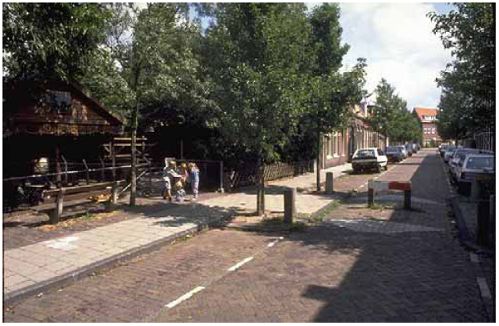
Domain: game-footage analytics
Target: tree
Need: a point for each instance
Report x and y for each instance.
(390, 117)
(44, 41)
(331, 93)
(256, 58)
(469, 80)
(148, 65)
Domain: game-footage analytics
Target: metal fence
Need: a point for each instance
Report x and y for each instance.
(485, 140)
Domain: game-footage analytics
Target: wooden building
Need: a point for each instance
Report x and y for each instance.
(43, 122)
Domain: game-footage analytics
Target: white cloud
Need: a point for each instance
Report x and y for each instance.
(399, 45)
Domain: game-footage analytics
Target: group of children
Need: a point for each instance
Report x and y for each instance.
(178, 178)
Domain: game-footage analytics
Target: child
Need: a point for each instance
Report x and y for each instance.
(194, 179)
(168, 178)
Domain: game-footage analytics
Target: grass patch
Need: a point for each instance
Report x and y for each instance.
(380, 207)
(324, 212)
(277, 224)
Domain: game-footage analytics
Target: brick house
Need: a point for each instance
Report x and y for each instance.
(428, 119)
(339, 146)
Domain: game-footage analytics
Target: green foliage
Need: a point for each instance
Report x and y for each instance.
(255, 59)
(468, 84)
(390, 116)
(51, 40)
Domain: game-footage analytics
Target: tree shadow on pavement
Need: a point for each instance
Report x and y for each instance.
(398, 266)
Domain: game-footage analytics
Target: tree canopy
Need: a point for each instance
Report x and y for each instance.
(390, 116)
(468, 84)
(51, 40)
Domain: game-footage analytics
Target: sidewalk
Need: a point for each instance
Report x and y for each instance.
(31, 269)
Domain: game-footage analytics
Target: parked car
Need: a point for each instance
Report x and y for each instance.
(443, 147)
(472, 166)
(394, 154)
(408, 148)
(404, 150)
(415, 147)
(459, 154)
(371, 158)
(448, 153)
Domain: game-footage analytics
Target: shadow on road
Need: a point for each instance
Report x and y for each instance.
(405, 265)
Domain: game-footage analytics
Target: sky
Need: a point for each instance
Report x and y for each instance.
(399, 45)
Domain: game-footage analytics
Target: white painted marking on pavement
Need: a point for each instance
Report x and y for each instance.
(241, 263)
(272, 243)
(185, 296)
(62, 243)
(484, 288)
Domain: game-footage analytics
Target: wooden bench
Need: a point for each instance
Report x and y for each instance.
(54, 199)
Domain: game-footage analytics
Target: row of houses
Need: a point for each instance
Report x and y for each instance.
(338, 147)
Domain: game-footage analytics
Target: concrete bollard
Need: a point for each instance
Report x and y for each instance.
(483, 222)
(289, 205)
(407, 199)
(111, 204)
(475, 190)
(329, 182)
(370, 197)
(55, 216)
(492, 214)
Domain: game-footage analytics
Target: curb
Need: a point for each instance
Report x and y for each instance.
(68, 278)
(466, 240)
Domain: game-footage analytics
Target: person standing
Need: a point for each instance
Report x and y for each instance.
(194, 179)
(168, 172)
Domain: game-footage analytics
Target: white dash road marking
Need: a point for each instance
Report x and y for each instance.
(185, 296)
(272, 243)
(241, 263)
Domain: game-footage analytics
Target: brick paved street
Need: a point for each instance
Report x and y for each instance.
(359, 265)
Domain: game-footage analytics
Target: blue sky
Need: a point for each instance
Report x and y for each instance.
(399, 45)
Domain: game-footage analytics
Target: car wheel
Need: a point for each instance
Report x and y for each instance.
(386, 167)
(378, 169)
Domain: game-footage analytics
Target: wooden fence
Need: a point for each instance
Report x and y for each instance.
(248, 175)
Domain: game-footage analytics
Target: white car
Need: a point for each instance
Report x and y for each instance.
(371, 158)
(472, 166)
(459, 155)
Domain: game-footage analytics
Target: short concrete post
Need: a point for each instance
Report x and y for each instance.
(407, 199)
(289, 205)
(483, 221)
(475, 189)
(111, 204)
(492, 214)
(329, 182)
(57, 212)
(370, 197)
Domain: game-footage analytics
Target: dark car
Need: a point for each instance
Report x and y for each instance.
(394, 154)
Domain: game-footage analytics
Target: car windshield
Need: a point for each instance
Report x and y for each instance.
(477, 162)
(450, 150)
(365, 153)
(391, 149)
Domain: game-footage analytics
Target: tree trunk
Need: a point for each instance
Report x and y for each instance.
(133, 154)
(133, 169)
(260, 195)
(318, 160)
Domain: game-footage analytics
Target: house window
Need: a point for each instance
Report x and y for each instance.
(433, 130)
(328, 145)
